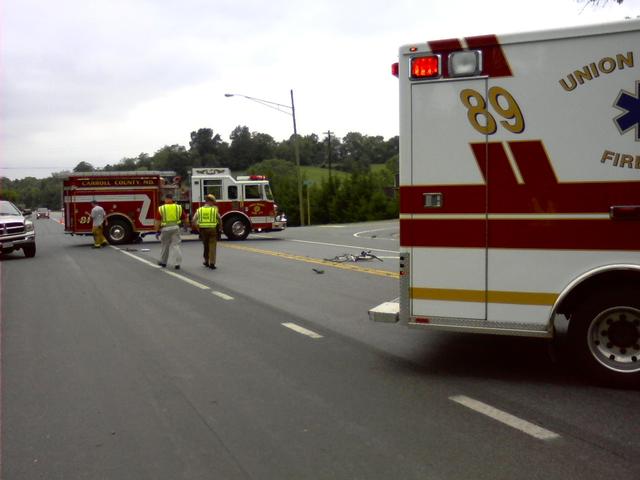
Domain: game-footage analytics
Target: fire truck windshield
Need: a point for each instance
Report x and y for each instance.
(267, 192)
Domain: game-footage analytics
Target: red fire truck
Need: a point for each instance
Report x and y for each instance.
(246, 203)
(131, 201)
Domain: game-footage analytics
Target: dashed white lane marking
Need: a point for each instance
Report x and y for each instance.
(506, 418)
(302, 330)
(223, 296)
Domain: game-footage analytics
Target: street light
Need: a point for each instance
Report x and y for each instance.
(289, 110)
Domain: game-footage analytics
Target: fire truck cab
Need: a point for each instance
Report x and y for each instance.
(245, 203)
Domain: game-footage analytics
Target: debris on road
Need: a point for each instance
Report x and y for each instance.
(365, 255)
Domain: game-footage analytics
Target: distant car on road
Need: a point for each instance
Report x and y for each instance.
(42, 213)
(16, 232)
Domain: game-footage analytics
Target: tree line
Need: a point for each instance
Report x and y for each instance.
(354, 192)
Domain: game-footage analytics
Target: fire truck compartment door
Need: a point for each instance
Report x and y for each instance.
(448, 221)
(69, 204)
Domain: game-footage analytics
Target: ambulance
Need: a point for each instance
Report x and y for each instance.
(131, 200)
(520, 190)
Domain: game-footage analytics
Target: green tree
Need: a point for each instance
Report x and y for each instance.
(51, 193)
(248, 148)
(263, 147)
(355, 153)
(84, 167)
(7, 192)
(284, 184)
(174, 158)
(240, 150)
(207, 149)
(144, 162)
(312, 151)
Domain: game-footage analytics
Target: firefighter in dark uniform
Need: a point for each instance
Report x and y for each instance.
(207, 220)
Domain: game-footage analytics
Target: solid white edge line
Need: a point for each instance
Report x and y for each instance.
(357, 234)
(187, 280)
(506, 418)
(151, 264)
(301, 330)
(223, 296)
(181, 277)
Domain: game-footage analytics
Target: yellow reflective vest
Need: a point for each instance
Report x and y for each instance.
(170, 214)
(207, 217)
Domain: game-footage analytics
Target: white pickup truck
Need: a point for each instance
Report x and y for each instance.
(16, 232)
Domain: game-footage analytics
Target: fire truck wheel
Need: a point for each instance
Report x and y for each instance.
(118, 232)
(236, 228)
(605, 336)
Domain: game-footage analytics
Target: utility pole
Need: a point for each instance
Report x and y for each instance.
(296, 149)
(328, 132)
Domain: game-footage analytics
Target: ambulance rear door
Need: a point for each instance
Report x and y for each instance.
(447, 227)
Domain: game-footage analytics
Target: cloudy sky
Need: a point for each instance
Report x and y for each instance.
(100, 80)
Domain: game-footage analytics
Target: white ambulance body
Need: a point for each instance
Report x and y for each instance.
(520, 189)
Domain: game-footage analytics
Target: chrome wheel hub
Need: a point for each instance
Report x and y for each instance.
(614, 339)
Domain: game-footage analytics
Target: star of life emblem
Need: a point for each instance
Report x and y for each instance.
(629, 104)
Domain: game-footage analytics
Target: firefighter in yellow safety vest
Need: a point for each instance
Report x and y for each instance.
(207, 220)
(169, 225)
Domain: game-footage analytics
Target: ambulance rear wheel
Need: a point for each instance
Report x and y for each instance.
(236, 228)
(118, 231)
(604, 334)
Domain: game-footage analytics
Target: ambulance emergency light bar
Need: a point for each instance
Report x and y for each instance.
(465, 63)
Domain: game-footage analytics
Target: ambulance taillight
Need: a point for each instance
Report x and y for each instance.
(426, 67)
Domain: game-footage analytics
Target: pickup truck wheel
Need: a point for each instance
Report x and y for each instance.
(236, 228)
(29, 251)
(118, 232)
(605, 336)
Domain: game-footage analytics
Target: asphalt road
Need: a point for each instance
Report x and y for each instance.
(113, 368)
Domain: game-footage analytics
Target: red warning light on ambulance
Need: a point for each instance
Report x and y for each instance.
(425, 67)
